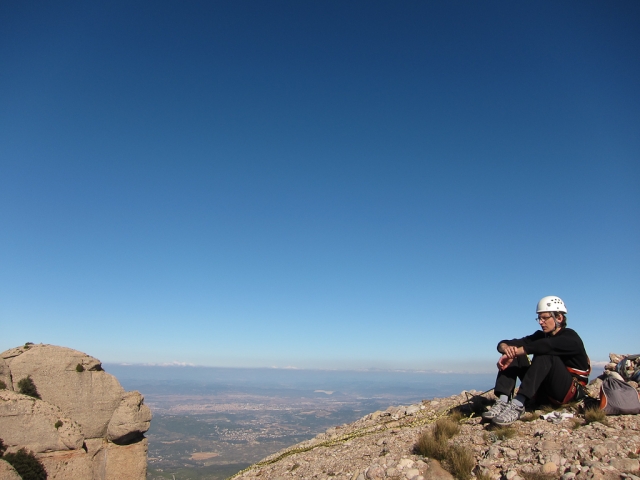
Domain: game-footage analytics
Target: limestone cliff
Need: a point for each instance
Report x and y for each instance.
(83, 426)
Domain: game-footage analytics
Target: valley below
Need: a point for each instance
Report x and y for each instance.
(209, 423)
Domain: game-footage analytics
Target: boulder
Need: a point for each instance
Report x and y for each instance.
(5, 374)
(89, 396)
(115, 462)
(14, 352)
(85, 426)
(436, 472)
(35, 424)
(69, 465)
(130, 420)
(7, 472)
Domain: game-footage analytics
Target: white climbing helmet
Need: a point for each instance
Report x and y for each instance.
(551, 304)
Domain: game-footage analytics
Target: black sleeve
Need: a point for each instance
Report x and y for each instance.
(524, 341)
(566, 342)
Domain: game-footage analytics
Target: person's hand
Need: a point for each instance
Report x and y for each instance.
(511, 352)
(504, 362)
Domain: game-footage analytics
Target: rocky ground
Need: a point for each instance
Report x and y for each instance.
(382, 445)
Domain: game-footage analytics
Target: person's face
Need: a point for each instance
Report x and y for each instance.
(547, 322)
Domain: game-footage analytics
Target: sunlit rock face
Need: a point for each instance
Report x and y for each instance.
(83, 425)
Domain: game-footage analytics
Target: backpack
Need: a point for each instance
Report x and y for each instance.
(618, 397)
(629, 368)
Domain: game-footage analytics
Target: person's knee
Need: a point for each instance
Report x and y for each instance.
(550, 359)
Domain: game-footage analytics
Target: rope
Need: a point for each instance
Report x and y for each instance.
(363, 432)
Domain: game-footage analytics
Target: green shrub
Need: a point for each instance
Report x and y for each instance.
(2, 447)
(2, 385)
(26, 464)
(27, 387)
(58, 424)
(79, 368)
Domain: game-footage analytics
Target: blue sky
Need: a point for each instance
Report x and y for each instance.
(318, 184)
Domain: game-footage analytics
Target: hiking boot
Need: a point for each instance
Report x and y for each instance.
(495, 410)
(510, 414)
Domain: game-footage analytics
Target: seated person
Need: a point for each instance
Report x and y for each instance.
(558, 371)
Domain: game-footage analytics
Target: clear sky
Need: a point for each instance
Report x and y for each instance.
(317, 184)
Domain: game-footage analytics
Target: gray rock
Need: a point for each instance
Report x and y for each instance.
(625, 464)
(436, 472)
(117, 462)
(412, 473)
(31, 423)
(14, 352)
(68, 465)
(90, 397)
(375, 472)
(599, 451)
(5, 375)
(405, 463)
(130, 420)
(412, 409)
(85, 403)
(7, 472)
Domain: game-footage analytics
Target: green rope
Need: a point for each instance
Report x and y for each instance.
(356, 434)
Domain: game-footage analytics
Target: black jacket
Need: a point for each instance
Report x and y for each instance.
(565, 344)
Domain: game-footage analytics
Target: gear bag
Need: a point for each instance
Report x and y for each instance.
(618, 397)
(629, 368)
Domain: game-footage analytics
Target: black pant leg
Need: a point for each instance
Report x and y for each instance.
(506, 380)
(548, 372)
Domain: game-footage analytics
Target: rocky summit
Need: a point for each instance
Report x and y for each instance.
(76, 418)
(564, 444)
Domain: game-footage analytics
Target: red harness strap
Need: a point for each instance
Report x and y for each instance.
(582, 376)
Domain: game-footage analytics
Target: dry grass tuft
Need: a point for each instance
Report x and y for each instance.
(460, 462)
(529, 417)
(446, 427)
(430, 446)
(483, 476)
(576, 423)
(592, 415)
(504, 433)
(547, 409)
(434, 443)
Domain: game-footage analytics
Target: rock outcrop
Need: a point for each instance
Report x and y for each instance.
(83, 426)
(382, 445)
(7, 472)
